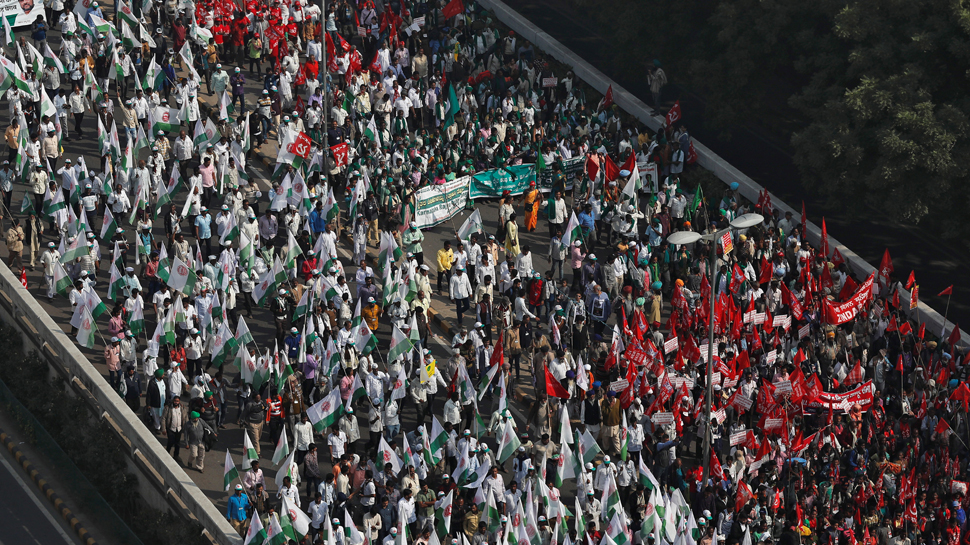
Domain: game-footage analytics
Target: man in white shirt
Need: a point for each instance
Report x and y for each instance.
(460, 290)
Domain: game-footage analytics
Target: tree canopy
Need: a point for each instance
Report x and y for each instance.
(875, 94)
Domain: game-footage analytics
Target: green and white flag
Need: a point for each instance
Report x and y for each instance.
(364, 340)
(508, 442)
(442, 513)
(230, 232)
(286, 470)
(400, 345)
(292, 251)
(371, 132)
(274, 535)
(256, 534)
(77, 249)
(573, 232)
(165, 119)
(85, 333)
(180, 278)
(137, 322)
(610, 500)
(116, 283)
(126, 15)
(230, 473)
(101, 25)
(588, 447)
(109, 226)
(243, 336)
(473, 224)
(282, 450)
(438, 437)
(330, 208)
(389, 252)
(646, 476)
(386, 456)
(303, 305)
(265, 288)
(325, 412)
(247, 253)
(294, 521)
(50, 59)
(222, 344)
(565, 465)
(62, 282)
(249, 452)
(8, 35)
(353, 535)
(206, 134)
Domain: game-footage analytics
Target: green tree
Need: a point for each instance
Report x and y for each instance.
(889, 120)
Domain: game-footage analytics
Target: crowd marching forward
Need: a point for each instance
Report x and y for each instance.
(579, 396)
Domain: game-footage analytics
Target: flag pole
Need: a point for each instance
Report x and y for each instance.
(945, 312)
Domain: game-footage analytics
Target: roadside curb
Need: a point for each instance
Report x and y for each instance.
(41, 483)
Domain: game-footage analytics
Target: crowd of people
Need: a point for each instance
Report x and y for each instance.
(833, 417)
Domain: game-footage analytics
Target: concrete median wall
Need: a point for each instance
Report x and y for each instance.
(705, 157)
(162, 483)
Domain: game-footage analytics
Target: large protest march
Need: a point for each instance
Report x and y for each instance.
(390, 270)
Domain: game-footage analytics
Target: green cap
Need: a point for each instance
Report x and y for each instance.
(159, 373)
(194, 414)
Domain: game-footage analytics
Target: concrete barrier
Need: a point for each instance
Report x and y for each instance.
(705, 157)
(162, 483)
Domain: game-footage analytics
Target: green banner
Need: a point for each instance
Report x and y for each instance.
(492, 183)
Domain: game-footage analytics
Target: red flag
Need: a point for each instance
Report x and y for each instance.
(799, 358)
(948, 291)
(630, 163)
(905, 329)
(610, 171)
(848, 288)
(23, 277)
(607, 98)
(767, 269)
(911, 280)
(856, 375)
(592, 165)
(823, 246)
(453, 8)
(943, 428)
(804, 217)
(673, 115)
(341, 154)
(914, 298)
(954, 338)
(742, 361)
(743, 497)
(885, 269)
(962, 394)
(837, 257)
(716, 469)
(899, 364)
(691, 156)
(553, 387)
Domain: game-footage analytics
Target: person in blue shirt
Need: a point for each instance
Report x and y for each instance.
(203, 229)
(318, 219)
(293, 344)
(586, 221)
(238, 510)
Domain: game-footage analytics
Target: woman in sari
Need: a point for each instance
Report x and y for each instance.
(511, 236)
(531, 201)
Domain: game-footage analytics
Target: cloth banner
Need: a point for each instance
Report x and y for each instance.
(438, 203)
(491, 183)
(863, 395)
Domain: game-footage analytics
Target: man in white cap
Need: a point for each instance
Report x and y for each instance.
(50, 260)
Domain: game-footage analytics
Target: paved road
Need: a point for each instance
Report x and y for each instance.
(769, 162)
(27, 516)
